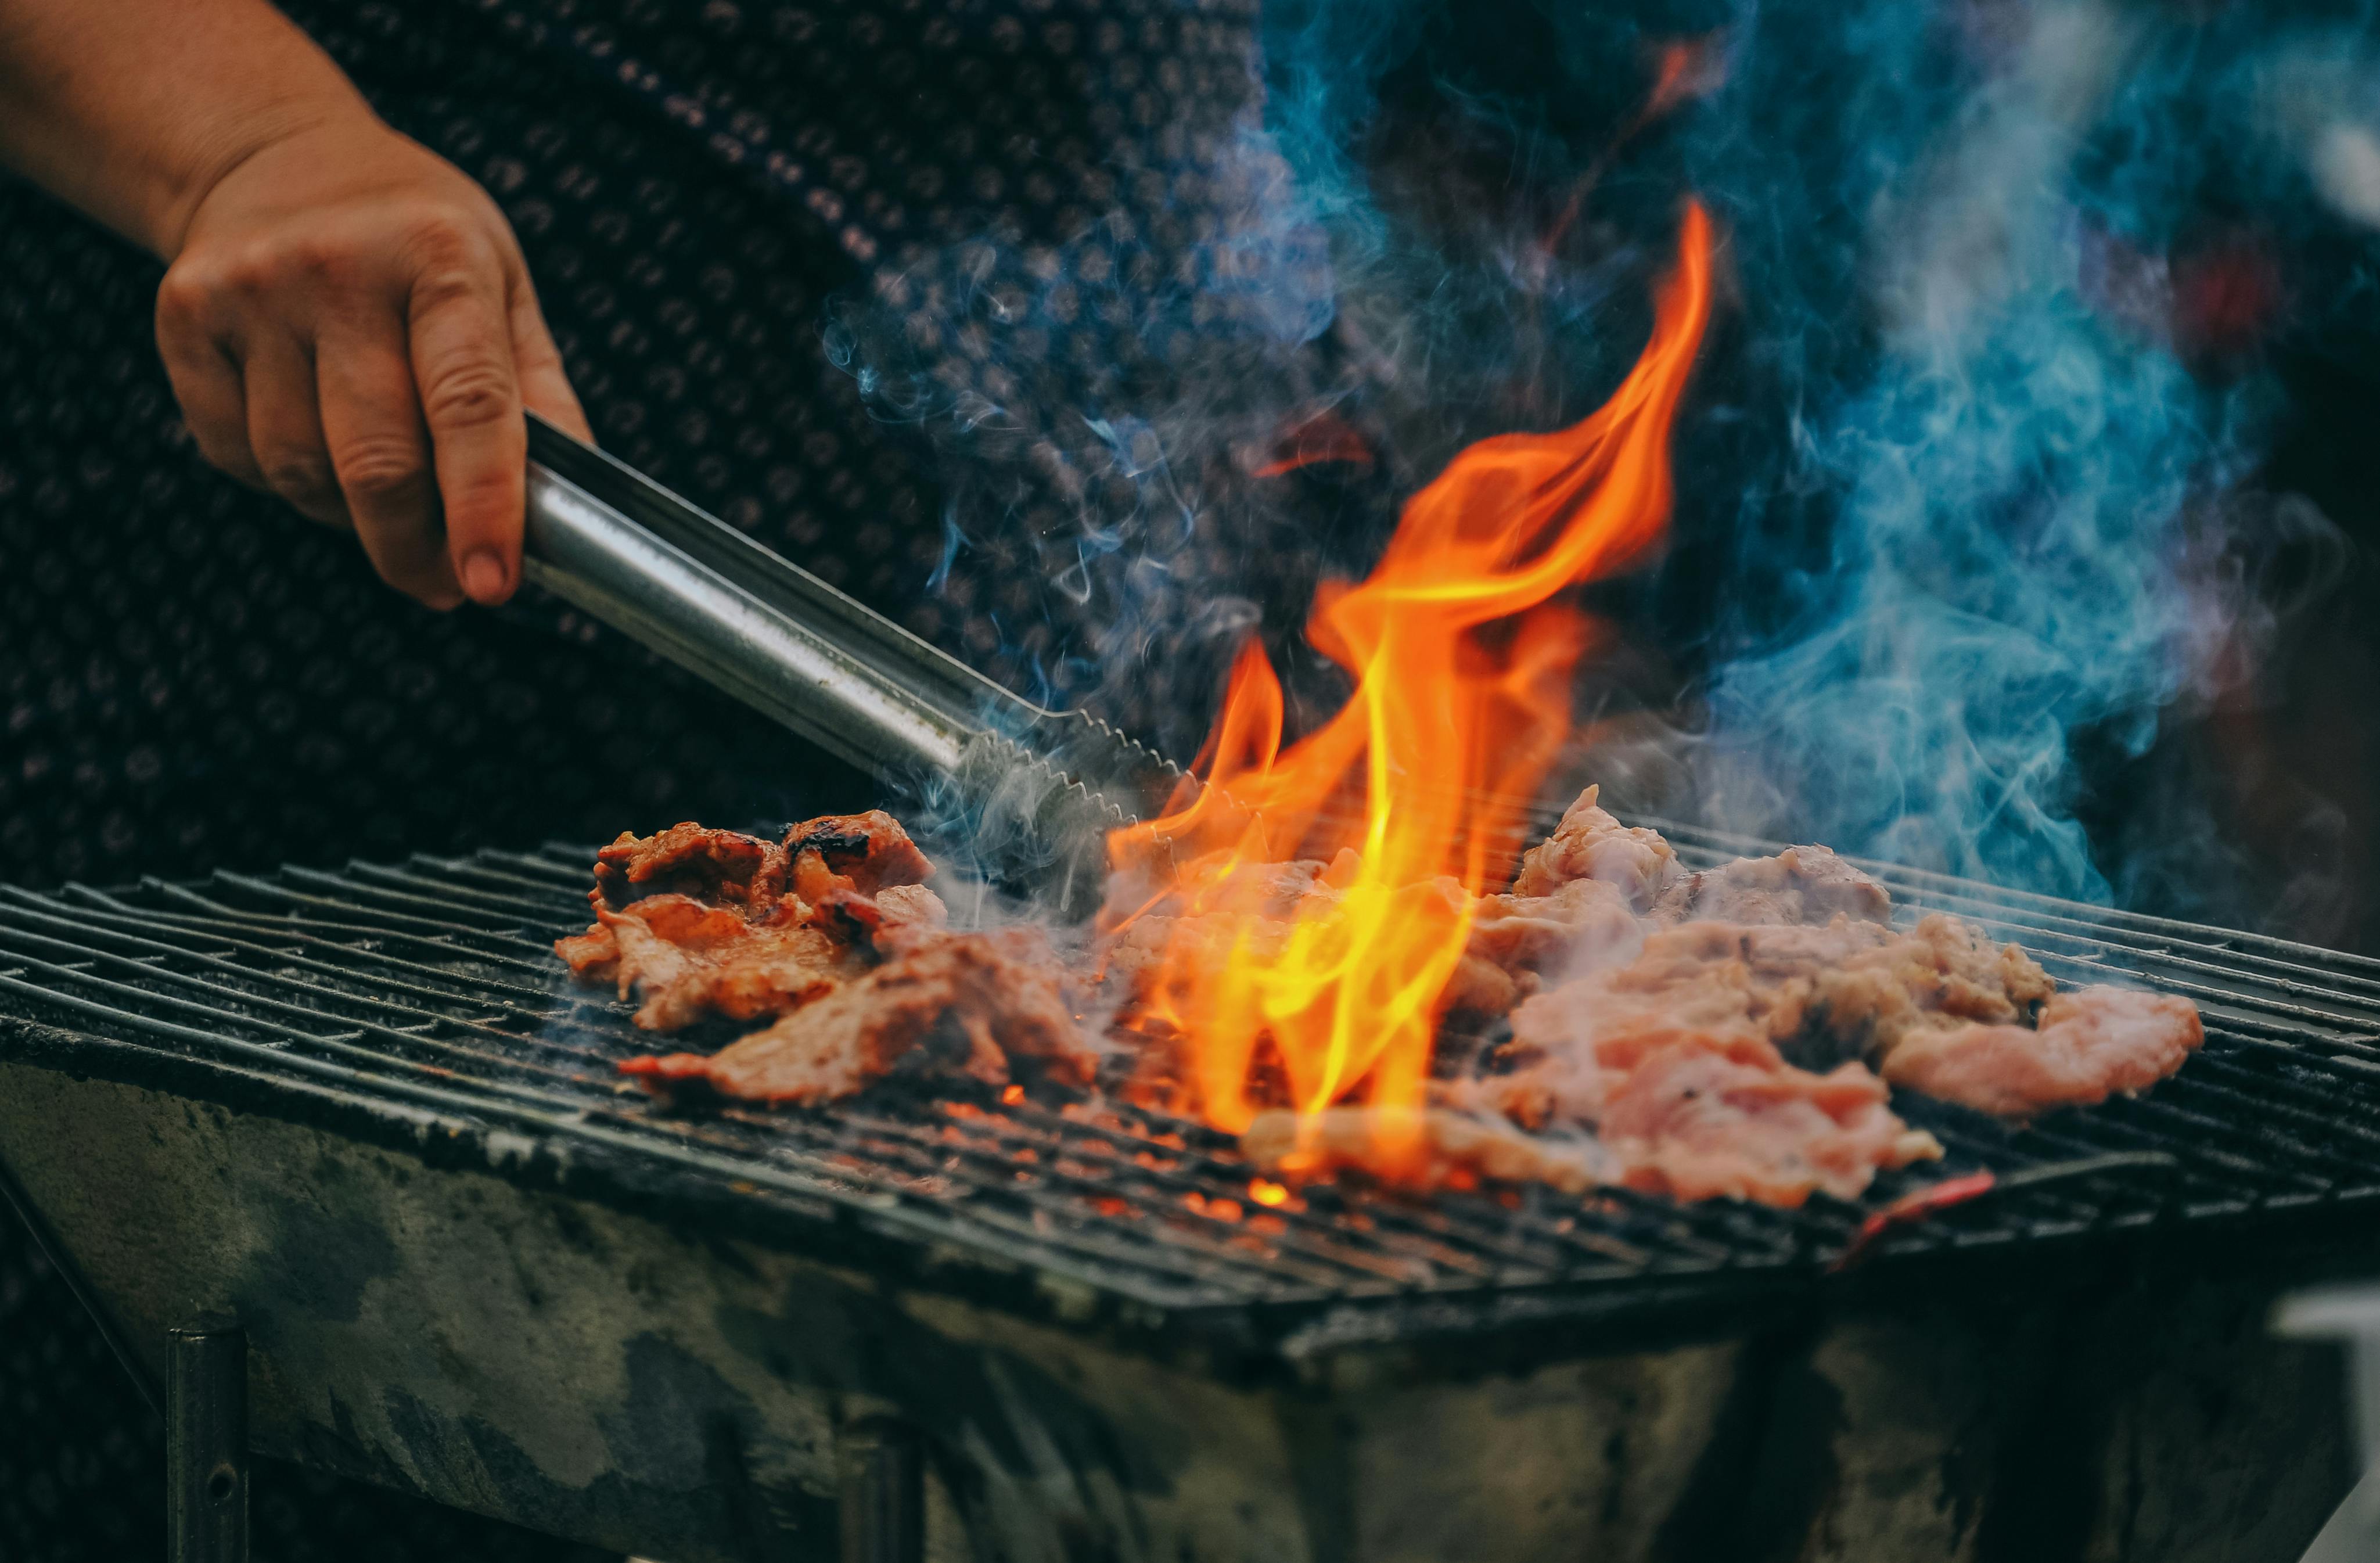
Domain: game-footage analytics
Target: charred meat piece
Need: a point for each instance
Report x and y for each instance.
(864, 852)
(690, 859)
(979, 1004)
(689, 960)
(2090, 1044)
(1800, 885)
(1943, 973)
(1591, 844)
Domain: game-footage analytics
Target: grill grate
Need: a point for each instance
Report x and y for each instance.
(430, 984)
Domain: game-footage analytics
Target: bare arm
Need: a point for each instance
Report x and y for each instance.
(346, 316)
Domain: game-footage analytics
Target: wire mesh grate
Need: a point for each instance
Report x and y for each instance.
(431, 982)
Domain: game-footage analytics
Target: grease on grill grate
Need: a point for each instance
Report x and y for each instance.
(433, 984)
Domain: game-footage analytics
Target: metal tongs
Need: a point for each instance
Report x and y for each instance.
(1039, 789)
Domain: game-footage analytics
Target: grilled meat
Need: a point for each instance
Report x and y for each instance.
(690, 859)
(1442, 1148)
(869, 851)
(1701, 1123)
(1800, 885)
(2090, 1044)
(1724, 1033)
(702, 922)
(982, 1005)
(832, 933)
(690, 960)
(1590, 844)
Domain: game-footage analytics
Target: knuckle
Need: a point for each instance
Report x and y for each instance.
(324, 258)
(257, 269)
(468, 396)
(444, 246)
(187, 295)
(302, 478)
(371, 470)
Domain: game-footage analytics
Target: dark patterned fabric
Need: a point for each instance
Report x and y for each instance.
(192, 677)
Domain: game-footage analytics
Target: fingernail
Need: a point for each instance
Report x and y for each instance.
(484, 575)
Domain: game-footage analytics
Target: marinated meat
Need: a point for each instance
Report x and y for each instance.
(1698, 1123)
(1448, 1148)
(868, 852)
(1513, 937)
(1582, 922)
(1821, 994)
(701, 922)
(2091, 1043)
(1575, 1047)
(1727, 1033)
(690, 960)
(690, 859)
(593, 957)
(976, 1004)
(1943, 973)
(1591, 844)
(1800, 885)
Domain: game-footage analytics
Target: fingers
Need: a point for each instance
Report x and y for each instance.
(206, 377)
(372, 430)
(285, 427)
(544, 385)
(471, 400)
(371, 365)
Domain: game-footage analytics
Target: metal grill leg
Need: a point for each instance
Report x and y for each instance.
(206, 1443)
(883, 1499)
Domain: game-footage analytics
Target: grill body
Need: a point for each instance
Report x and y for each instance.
(358, 1110)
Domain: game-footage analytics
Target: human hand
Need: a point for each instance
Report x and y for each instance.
(348, 323)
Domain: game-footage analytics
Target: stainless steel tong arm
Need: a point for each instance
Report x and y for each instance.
(1037, 784)
(586, 552)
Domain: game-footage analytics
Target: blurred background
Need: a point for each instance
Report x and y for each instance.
(2026, 489)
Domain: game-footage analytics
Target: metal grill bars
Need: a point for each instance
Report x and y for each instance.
(431, 986)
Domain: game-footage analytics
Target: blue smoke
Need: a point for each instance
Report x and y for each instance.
(1966, 482)
(2021, 461)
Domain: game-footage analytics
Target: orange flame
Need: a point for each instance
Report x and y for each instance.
(1461, 652)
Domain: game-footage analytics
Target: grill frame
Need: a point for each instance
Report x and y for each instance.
(655, 1355)
(105, 981)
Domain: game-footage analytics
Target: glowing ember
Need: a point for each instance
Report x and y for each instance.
(1461, 645)
(1265, 1191)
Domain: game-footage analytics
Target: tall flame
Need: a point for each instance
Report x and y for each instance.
(1462, 649)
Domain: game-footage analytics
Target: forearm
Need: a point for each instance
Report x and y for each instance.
(132, 109)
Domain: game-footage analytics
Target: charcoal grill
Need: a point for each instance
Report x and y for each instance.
(359, 1111)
